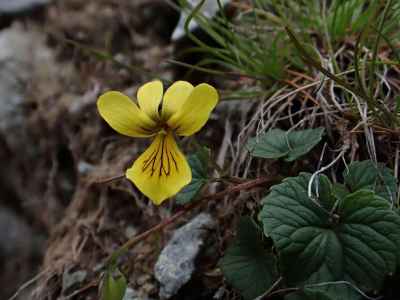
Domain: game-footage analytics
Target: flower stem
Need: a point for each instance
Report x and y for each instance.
(112, 259)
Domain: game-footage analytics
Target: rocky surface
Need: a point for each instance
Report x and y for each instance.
(15, 71)
(19, 248)
(54, 147)
(176, 262)
(29, 77)
(27, 69)
(18, 6)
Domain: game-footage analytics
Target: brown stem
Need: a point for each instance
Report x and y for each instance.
(108, 179)
(237, 188)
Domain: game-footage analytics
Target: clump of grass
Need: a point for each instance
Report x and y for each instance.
(245, 46)
(355, 38)
(331, 63)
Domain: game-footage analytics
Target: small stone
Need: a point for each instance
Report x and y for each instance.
(131, 294)
(70, 279)
(84, 167)
(130, 231)
(175, 265)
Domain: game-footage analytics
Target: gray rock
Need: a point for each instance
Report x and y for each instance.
(71, 279)
(16, 236)
(209, 9)
(131, 294)
(20, 250)
(175, 264)
(130, 231)
(24, 59)
(13, 76)
(18, 6)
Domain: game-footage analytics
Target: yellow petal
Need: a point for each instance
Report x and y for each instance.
(161, 171)
(174, 98)
(195, 111)
(124, 116)
(149, 97)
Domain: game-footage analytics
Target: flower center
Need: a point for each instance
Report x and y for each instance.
(164, 128)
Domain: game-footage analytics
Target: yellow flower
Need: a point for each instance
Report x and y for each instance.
(162, 170)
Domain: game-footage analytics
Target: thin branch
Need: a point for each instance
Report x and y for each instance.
(237, 188)
(108, 179)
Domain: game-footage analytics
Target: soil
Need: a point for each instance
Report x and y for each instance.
(53, 180)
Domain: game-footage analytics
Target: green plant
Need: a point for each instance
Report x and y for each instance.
(198, 162)
(113, 285)
(331, 240)
(277, 143)
(245, 46)
(315, 237)
(256, 44)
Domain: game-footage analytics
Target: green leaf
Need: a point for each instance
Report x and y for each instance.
(114, 286)
(277, 143)
(365, 175)
(247, 265)
(359, 243)
(199, 164)
(339, 191)
(327, 192)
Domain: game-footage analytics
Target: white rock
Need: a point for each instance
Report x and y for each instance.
(175, 264)
(209, 9)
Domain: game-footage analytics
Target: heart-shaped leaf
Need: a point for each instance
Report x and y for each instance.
(366, 175)
(247, 265)
(358, 242)
(291, 145)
